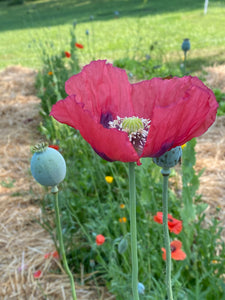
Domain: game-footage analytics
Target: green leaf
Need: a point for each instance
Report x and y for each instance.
(122, 247)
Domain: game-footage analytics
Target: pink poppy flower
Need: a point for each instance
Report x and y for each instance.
(174, 225)
(124, 122)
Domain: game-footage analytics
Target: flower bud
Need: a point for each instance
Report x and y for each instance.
(141, 288)
(186, 45)
(48, 166)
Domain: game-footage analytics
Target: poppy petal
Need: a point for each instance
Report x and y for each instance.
(176, 245)
(106, 142)
(158, 217)
(178, 255)
(102, 89)
(175, 226)
(37, 274)
(164, 253)
(184, 108)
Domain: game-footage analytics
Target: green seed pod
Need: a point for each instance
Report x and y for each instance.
(169, 159)
(48, 166)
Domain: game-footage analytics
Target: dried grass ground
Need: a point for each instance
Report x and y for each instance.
(23, 242)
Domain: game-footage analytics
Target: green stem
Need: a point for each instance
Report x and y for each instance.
(185, 58)
(133, 230)
(61, 245)
(165, 173)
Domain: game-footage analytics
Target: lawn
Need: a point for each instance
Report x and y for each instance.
(139, 27)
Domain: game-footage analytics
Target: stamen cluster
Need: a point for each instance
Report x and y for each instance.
(136, 128)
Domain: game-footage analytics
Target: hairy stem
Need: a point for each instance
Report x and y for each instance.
(61, 245)
(165, 173)
(133, 230)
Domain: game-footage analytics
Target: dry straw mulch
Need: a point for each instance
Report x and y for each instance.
(23, 242)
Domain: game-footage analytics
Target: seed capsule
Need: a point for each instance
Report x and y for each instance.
(48, 166)
(169, 159)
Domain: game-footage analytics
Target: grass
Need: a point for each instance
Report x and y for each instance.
(161, 24)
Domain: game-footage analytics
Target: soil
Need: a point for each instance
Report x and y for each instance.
(23, 242)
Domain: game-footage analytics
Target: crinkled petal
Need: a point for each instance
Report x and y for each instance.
(176, 226)
(102, 88)
(110, 144)
(142, 99)
(184, 108)
(178, 255)
(176, 244)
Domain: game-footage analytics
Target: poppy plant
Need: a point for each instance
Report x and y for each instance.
(174, 225)
(124, 122)
(176, 252)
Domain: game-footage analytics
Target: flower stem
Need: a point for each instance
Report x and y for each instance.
(133, 230)
(61, 245)
(165, 173)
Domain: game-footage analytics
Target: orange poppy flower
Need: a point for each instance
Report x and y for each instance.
(176, 252)
(174, 225)
(80, 46)
(100, 239)
(67, 54)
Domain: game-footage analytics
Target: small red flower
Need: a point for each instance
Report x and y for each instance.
(80, 46)
(67, 54)
(56, 147)
(103, 106)
(176, 252)
(47, 255)
(100, 239)
(55, 254)
(37, 274)
(174, 225)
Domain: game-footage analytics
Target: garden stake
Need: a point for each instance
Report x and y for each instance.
(167, 161)
(60, 239)
(133, 230)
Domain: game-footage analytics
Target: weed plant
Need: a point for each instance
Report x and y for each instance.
(91, 206)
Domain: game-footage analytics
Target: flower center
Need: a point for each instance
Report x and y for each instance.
(136, 128)
(132, 124)
(172, 249)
